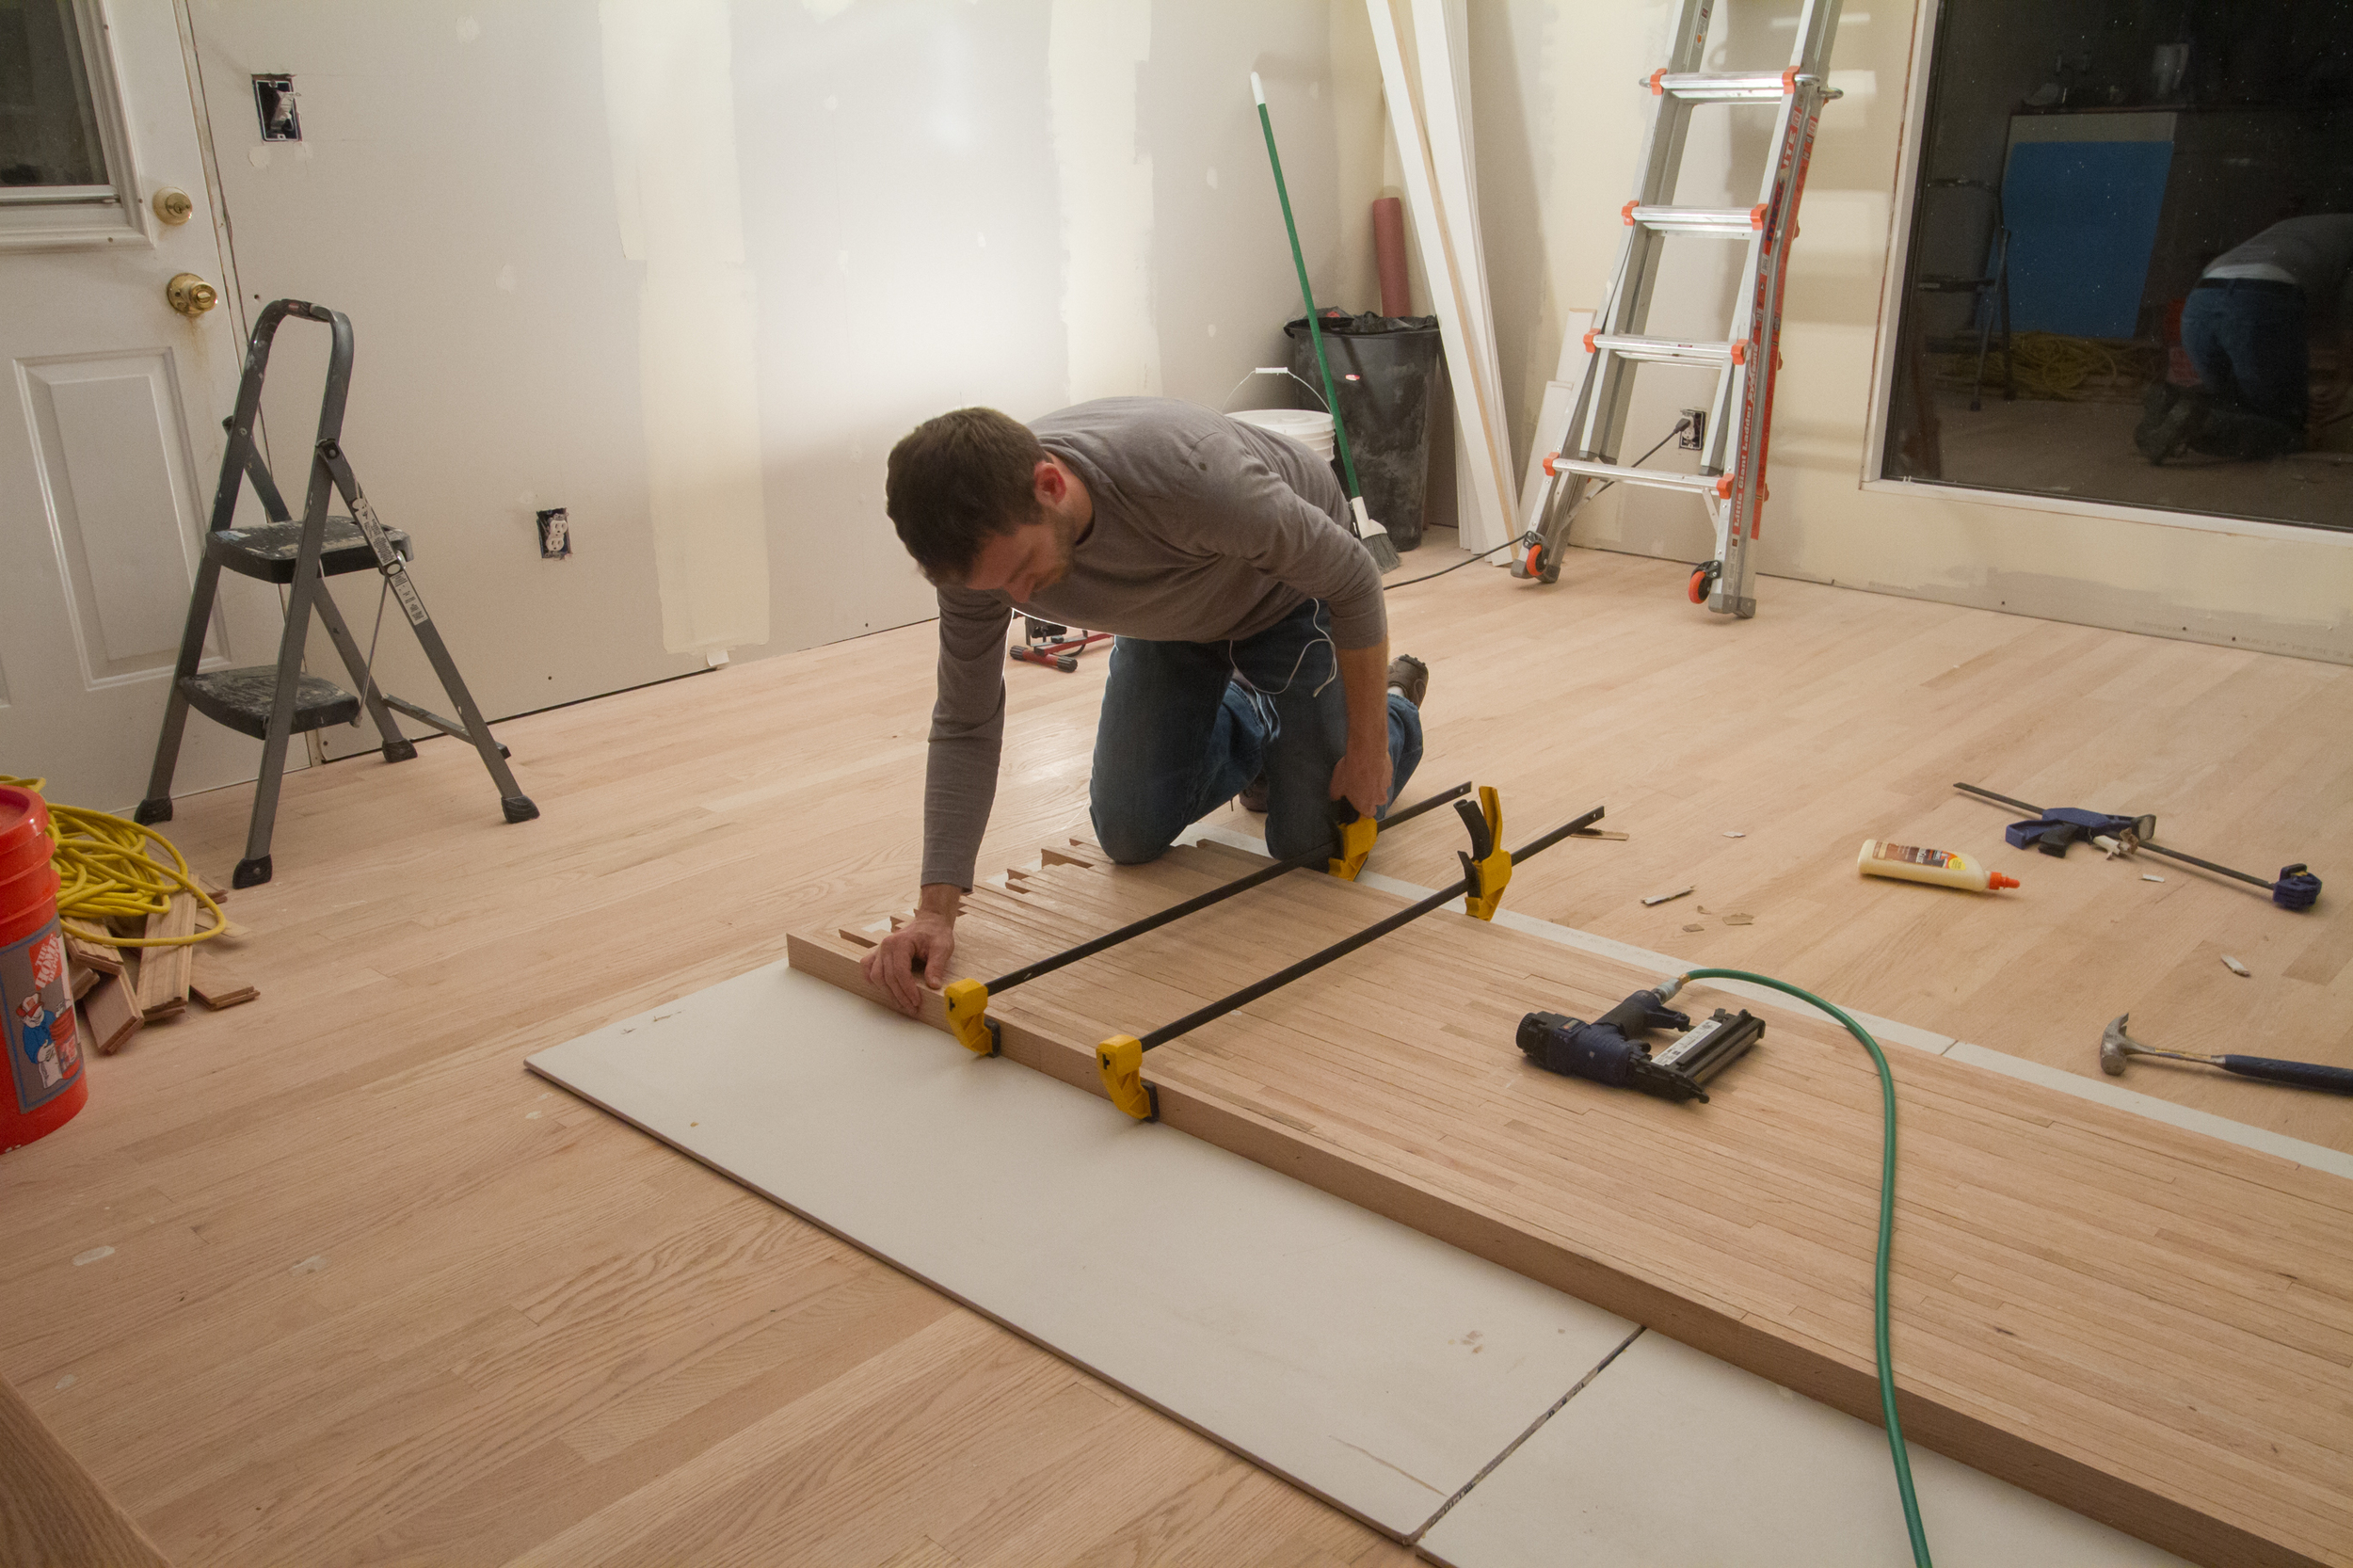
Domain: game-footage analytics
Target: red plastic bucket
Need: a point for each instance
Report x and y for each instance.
(43, 1085)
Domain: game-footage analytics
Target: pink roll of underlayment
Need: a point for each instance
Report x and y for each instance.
(1388, 249)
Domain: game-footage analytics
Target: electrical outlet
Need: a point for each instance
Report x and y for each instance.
(1696, 436)
(274, 102)
(555, 534)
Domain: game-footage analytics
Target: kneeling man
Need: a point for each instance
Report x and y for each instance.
(1252, 655)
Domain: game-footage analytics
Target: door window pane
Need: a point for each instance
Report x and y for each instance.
(48, 126)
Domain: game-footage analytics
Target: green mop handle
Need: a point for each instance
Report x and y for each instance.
(1315, 334)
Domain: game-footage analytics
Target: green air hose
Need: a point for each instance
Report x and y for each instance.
(1887, 1231)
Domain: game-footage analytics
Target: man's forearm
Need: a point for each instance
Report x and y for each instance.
(944, 899)
(1365, 677)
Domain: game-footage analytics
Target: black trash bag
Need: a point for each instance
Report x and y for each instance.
(1384, 372)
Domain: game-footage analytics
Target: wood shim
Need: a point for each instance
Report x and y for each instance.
(109, 1015)
(215, 985)
(1450, 259)
(2149, 1327)
(164, 971)
(93, 955)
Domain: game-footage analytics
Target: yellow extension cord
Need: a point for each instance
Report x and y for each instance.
(105, 872)
(2058, 368)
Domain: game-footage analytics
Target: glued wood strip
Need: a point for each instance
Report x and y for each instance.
(2145, 1325)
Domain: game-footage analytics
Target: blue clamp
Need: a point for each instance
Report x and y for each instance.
(2055, 830)
(2297, 888)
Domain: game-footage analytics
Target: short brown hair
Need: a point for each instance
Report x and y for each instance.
(957, 481)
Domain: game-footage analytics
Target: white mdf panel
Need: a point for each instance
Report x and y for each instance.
(1672, 1457)
(1366, 1362)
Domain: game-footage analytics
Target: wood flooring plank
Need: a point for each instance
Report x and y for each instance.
(413, 948)
(54, 1513)
(164, 970)
(2226, 1416)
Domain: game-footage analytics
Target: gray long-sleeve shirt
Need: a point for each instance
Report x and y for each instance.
(2315, 253)
(1205, 529)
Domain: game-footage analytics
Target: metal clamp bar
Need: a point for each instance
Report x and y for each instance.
(1341, 949)
(2145, 844)
(1192, 905)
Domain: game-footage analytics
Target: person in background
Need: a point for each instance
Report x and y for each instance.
(2244, 328)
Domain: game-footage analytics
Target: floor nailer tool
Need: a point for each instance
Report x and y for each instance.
(2052, 830)
(1045, 643)
(1610, 1048)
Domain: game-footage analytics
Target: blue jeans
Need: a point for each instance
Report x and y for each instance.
(2246, 336)
(1178, 738)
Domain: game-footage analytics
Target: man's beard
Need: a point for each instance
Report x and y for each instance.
(1065, 550)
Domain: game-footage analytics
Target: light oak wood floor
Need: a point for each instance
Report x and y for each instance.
(376, 1295)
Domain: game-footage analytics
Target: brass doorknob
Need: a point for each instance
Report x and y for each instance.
(190, 296)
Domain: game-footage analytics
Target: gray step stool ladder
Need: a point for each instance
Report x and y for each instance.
(274, 702)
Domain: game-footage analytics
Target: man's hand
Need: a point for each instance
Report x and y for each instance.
(924, 944)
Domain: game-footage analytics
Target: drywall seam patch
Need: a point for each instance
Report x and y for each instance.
(669, 105)
(1094, 50)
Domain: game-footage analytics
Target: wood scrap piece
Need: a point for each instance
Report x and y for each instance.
(164, 971)
(2235, 967)
(215, 985)
(93, 955)
(110, 1015)
(80, 980)
(51, 1510)
(1740, 919)
(1661, 897)
(1598, 833)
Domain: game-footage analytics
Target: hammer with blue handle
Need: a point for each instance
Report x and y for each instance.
(2118, 1047)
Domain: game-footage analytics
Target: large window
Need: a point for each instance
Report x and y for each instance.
(2129, 276)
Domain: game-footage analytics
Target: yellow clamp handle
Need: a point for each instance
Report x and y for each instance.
(1355, 844)
(1121, 1061)
(1492, 873)
(967, 1016)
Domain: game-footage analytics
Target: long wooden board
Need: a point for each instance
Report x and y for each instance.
(2144, 1325)
(51, 1510)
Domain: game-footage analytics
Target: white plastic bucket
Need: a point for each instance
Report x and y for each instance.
(1310, 427)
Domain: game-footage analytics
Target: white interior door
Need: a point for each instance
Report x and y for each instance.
(108, 466)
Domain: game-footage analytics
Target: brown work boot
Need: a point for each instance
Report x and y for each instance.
(1409, 677)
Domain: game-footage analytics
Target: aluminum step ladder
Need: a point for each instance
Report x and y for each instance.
(1731, 477)
(274, 702)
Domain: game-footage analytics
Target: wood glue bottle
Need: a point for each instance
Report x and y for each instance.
(1941, 867)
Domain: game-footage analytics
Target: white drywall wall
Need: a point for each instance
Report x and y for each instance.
(1567, 72)
(690, 270)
